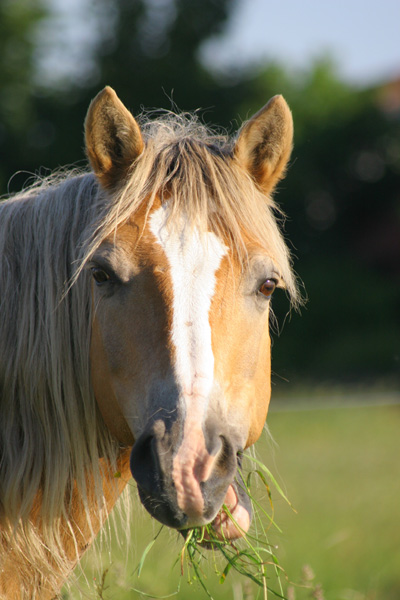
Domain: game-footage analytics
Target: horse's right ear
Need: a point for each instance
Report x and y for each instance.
(113, 138)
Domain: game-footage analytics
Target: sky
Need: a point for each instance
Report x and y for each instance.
(362, 36)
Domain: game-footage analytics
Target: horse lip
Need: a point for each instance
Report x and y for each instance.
(162, 510)
(243, 501)
(222, 520)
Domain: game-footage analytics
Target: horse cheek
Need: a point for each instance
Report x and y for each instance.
(103, 390)
(256, 397)
(259, 402)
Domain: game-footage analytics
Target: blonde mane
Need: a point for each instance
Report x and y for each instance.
(52, 436)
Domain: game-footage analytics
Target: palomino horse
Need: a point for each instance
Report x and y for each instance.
(134, 333)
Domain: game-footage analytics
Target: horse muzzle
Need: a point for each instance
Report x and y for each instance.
(185, 475)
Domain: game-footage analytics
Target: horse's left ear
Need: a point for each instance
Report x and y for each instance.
(265, 142)
(113, 138)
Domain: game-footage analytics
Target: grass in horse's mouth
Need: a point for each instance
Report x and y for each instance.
(251, 556)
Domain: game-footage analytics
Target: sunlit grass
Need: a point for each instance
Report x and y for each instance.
(341, 470)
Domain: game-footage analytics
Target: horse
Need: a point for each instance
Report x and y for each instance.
(134, 332)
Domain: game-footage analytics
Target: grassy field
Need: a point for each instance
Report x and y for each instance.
(338, 461)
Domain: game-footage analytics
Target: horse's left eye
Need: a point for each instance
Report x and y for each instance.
(100, 275)
(267, 288)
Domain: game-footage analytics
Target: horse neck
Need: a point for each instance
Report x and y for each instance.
(114, 481)
(20, 579)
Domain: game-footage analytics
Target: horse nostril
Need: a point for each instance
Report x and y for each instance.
(144, 462)
(151, 466)
(226, 461)
(224, 452)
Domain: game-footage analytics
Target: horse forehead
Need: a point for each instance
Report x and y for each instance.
(171, 242)
(189, 248)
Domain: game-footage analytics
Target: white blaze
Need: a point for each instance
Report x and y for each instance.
(194, 257)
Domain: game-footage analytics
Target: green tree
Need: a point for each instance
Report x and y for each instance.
(18, 23)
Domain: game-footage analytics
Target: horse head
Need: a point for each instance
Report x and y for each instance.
(181, 291)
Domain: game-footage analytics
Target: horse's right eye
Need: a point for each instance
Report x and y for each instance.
(100, 275)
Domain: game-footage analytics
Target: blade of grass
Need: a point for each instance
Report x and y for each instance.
(146, 551)
(143, 558)
(272, 478)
